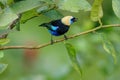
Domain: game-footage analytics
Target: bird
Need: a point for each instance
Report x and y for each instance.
(60, 26)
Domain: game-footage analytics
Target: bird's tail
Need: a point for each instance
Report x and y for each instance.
(43, 25)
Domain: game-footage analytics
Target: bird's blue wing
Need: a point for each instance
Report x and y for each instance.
(55, 25)
(54, 28)
(50, 26)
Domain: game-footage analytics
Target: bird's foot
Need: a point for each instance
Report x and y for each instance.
(65, 37)
(52, 41)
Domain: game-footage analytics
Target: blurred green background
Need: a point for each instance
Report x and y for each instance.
(52, 62)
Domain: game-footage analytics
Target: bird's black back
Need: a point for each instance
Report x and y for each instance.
(62, 28)
(56, 23)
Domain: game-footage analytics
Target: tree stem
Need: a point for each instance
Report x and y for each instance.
(59, 40)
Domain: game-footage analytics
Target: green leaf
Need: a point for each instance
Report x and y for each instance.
(4, 41)
(116, 7)
(28, 15)
(96, 12)
(108, 47)
(26, 5)
(3, 2)
(72, 54)
(3, 67)
(74, 6)
(1, 5)
(42, 9)
(1, 54)
(7, 17)
(53, 14)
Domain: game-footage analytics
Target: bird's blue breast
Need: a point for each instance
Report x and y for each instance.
(55, 33)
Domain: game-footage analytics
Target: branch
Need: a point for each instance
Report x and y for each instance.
(59, 40)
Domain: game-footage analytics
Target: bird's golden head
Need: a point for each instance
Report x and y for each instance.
(68, 20)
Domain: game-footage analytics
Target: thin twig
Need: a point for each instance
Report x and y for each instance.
(59, 40)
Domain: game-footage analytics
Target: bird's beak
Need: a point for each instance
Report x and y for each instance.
(76, 19)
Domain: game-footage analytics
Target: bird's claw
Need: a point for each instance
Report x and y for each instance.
(52, 42)
(65, 37)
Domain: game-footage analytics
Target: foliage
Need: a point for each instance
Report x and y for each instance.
(87, 51)
(116, 8)
(1, 54)
(4, 41)
(96, 12)
(108, 47)
(2, 67)
(72, 54)
(75, 5)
